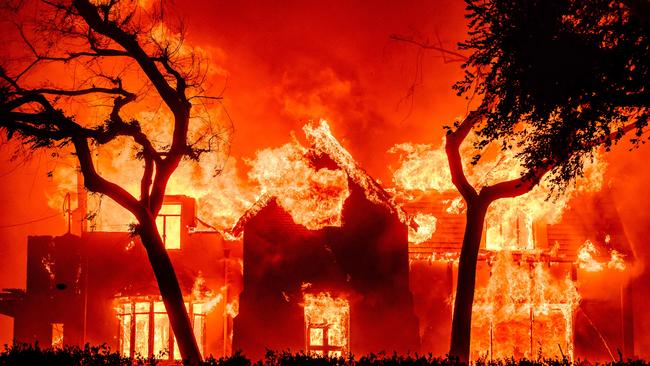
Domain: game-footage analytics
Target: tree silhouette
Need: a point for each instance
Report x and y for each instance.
(118, 54)
(556, 80)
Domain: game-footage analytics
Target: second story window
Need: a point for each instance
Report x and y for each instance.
(169, 225)
(510, 233)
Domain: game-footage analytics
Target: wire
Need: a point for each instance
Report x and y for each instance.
(29, 222)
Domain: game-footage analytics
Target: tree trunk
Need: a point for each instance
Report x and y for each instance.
(461, 324)
(170, 291)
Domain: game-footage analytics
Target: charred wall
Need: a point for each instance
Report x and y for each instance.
(365, 260)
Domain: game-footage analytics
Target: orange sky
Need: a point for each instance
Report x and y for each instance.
(290, 61)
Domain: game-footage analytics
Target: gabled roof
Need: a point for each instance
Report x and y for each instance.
(326, 150)
(591, 217)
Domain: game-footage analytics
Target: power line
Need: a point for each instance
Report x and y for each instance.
(29, 222)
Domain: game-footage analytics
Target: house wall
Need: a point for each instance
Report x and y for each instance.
(86, 274)
(365, 260)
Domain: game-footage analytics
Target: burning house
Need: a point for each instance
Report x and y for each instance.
(551, 289)
(97, 287)
(319, 287)
(329, 262)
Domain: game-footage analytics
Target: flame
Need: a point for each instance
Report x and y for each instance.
(422, 168)
(322, 141)
(509, 222)
(456, 206)
(204, 296)
(48, 264)
(518, 299)
(232, 308)
(57, 335)
(329, 315)
(586, 258)
(313, 197)
(426, 226)
(616, 261)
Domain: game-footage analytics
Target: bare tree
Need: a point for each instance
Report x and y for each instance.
(121, 54)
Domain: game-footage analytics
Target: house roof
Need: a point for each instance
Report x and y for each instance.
(326, 152)
(590, 217)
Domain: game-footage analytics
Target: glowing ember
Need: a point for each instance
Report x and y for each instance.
(327, 325)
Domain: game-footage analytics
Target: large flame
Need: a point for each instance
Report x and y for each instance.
(523, 309)
(313, 197)
(509, 223)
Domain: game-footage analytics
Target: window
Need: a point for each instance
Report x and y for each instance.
(511, 234)
(57, 335)
(169, 225)
(327, 325)
(150, 332)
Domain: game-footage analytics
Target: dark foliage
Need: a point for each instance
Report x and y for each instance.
(26, 354)
(559, 77)
(34, 355)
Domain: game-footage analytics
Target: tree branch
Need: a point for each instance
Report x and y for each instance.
(524, 184)
(428, 46)
(77, 92)
(515, 187)
(89, 13)
(173, 98)
(452, 147)
(96, 183)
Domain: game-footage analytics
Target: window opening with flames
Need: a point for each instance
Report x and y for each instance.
(144, 327)
(327, 325)
(57, 335)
